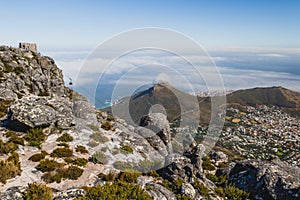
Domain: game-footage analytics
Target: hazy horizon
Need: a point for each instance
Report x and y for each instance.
(252, 43)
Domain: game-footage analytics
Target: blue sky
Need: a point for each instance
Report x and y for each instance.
(84, 24)
(253, 42)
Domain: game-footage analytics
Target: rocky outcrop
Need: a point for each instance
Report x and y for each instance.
(267, 179)
(158, 123)
(33, 111)
(155, 128)
(186, 166)
(25, 72)
(35, 87)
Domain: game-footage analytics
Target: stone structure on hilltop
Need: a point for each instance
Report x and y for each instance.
(28, 46)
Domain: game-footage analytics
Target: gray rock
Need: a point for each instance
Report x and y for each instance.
(188, 190)
(186, 166)
(85, 111)
(33, 111)
(219, 156)
(34, 74)
(153, 139)
(158, 192)
(69, 194)
(158, 123)
(13, 193)
(267, 179)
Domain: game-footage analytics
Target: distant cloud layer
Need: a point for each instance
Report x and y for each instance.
(239, 68)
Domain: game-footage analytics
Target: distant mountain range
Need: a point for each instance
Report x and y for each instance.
(174, 101)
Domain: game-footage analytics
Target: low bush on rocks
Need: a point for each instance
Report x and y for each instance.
(62, 152)
(232, 192)
(49, 165)
(71, 172)
(81, 162)
(115, 190)
(81, 149)
(107, 126)
(10, 168)
(65, 138)
(35, 137)
(207, 164)
(36, 191)
(7, 147)
(14, 138)
(38, 157)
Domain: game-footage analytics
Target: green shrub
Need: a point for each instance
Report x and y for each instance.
(35, 137)
(218, 180)
(174, 186)
(99, 137)
(65, 138)
(99, 158)
(17, 140)
(73, 173)
(62, 152)
(55, 176)
(152, 173)
(111, 176)
(10, 167)
(206, 165)
(38, 157)
(232, 193)
(204, 191)
(116, 190)
(81, 149)
(81, 162)
(129, 177)
(7, 147)
(49, 165)
(36, 191)
(127, 149)
(106, 126)
(10, 133)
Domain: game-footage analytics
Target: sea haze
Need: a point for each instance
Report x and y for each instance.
(239, 67)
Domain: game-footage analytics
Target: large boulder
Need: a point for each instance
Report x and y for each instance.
(186, 166)
(267, 179)
(153, 139)
(158, 123)
(34, 111)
